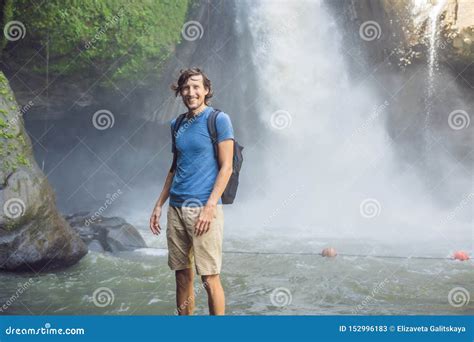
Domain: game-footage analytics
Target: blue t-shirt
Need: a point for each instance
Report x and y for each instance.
(197, 167)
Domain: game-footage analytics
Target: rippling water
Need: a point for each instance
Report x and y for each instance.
(140, 283)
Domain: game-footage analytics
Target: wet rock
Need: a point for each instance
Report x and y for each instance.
(33, 235)
(404, 30)
(110, 234)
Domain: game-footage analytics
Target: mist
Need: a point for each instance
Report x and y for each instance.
(331, 150)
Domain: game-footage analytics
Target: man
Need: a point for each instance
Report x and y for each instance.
(196, 180)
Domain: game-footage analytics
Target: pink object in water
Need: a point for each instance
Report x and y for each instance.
(329, 252)
(461, 255)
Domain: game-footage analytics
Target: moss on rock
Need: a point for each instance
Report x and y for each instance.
(13, 148)
(33, 235)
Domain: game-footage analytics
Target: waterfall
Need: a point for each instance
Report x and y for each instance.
(325, 162)
(434, 14)
(425, 12)
(316, 156)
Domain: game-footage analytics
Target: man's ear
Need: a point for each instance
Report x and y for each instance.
(206, 90)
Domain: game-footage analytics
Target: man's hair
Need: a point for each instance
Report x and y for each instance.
(185, 74)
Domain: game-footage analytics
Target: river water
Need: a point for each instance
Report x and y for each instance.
(324, 167)
(140, 282)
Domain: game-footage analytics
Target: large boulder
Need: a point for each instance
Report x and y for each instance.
(109, 234)
(33, 235)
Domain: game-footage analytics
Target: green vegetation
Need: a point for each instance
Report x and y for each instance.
(125, 40)
(119, 40)
(12, 143)
(6, 14)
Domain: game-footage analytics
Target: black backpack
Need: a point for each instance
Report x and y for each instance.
(230, 191)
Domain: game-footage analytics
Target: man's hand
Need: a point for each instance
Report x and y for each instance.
(203, 224)
(155, 221)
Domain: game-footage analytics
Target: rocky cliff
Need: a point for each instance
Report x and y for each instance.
(456, 19)
(33, 235)
(402, 30)
(419, 56)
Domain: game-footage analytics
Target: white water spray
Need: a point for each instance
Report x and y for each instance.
(434, 15)
(325, 166)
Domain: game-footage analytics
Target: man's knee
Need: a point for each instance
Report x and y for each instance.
(211, 282)
(184, 277)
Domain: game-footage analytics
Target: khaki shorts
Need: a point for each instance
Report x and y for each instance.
(184, 247)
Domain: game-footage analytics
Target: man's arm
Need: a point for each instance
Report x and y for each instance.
(225, 155)
(165, 192)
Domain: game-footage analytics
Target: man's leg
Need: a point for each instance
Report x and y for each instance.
(185, 291)
(215, 294)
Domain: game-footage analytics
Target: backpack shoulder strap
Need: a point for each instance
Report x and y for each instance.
(177, 123)
(212, 127)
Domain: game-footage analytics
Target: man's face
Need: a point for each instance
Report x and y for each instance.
(194, 92)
